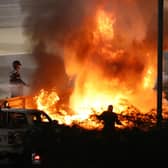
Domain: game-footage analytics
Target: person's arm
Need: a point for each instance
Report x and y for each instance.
(118, 121)
(99, 117)
(16, 78)
(21, 81)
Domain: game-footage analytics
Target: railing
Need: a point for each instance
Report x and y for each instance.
(19, 102)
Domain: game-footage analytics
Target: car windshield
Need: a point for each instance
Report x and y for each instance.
(39, 117)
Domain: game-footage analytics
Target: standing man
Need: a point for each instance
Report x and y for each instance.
(15, 80)
(109, 118)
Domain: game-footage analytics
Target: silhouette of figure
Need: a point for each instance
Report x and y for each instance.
(15, 80)
(109, 119)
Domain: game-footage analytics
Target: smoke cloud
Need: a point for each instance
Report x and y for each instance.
(49, 25)
(61, 32)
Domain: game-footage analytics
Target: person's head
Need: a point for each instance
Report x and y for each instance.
(110, 107)
(16, 64)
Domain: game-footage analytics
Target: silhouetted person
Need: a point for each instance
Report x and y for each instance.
(16, 83)
(109, 119)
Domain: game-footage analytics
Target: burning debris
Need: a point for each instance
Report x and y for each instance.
(130, 116)
(93, 55)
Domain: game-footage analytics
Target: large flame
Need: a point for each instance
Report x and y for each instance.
(94, 88)
(105, 25)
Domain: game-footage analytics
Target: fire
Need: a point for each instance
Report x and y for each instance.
(46, 101)
(96, 88)
(96, 95)
(105, 25)
(147, 79)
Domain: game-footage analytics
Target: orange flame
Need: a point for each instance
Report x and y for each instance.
(93, 91)
(105, 25)
(46, 101)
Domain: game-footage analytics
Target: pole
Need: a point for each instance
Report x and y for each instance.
(160, 62)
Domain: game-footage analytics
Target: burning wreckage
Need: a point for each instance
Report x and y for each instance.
(103, 59)
(51, 103)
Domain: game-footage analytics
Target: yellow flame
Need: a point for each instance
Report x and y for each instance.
(96, 92)
(148, 79)
(46, 101)
(105, 24)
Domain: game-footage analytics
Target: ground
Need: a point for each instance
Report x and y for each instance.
(129, 147)
(80, 148)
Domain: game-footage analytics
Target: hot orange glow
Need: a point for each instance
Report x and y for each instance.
(148, 79)
(96, 88)
(46, 101)
(105, 25)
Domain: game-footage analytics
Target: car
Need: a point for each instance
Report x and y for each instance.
(23, 135)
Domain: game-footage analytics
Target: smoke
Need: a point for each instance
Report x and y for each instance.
(48, 25)
(61, 32)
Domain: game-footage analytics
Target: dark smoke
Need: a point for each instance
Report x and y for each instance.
(52, 25)
(48, 25)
